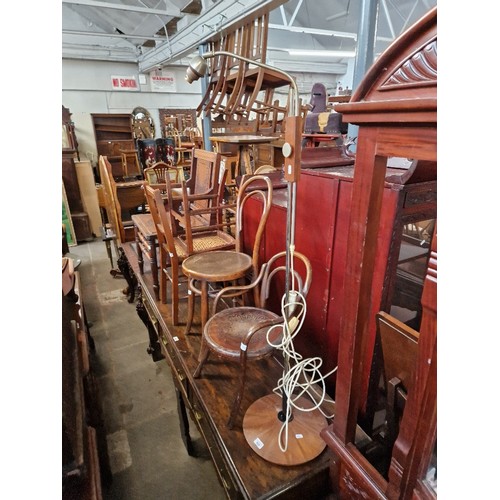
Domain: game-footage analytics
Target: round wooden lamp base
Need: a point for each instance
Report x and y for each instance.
(261, 428)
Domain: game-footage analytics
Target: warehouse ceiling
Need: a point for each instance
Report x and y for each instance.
(155, 33)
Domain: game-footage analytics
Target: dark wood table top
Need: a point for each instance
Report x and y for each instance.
(255, 477)
(145, 224)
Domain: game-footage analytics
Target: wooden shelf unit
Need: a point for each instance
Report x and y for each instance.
(113, 133)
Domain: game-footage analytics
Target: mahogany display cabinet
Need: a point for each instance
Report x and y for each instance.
(395, 108)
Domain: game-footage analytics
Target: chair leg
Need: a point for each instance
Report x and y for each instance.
(239, 395)
(163, 280)
(175, 294)
(189, 321)
(163, 287)
(203, 356)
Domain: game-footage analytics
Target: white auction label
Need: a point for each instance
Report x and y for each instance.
(258, 443)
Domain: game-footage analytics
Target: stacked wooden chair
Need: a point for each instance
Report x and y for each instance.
(237, 90)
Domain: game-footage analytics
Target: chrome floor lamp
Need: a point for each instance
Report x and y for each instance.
(271, 427)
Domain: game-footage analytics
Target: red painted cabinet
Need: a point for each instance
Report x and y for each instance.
(321, 228)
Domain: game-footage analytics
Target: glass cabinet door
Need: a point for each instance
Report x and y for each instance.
(411, 268)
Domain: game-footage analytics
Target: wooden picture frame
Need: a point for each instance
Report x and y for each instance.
(66, 220)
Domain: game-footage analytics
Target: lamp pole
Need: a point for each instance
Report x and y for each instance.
(291, 152)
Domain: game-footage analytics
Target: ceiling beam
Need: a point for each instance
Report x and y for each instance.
(219, 19)
(168, 11)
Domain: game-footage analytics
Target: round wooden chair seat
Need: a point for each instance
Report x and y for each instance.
(219, 265)
(225, 331)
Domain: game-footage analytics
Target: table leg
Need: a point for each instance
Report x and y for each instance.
(140, 259)
(154, 267)
(246, 163)
(184, 423)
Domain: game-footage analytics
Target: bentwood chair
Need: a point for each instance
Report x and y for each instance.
(242, 263)
(243, 333)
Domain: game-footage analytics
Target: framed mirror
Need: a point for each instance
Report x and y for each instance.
(143, 124)
(69, 142)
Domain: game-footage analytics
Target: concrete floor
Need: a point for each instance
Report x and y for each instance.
(148, 459)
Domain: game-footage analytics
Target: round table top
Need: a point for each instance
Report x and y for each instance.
(243, 139)
(220, 265)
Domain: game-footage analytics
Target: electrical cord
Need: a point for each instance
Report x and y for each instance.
(300, 376)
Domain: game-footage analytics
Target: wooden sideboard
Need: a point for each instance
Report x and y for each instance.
(206, 401)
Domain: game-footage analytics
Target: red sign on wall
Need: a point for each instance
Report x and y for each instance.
(124, 83)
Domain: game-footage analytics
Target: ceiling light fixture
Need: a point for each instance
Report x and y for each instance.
(313, 31)
(322, 53)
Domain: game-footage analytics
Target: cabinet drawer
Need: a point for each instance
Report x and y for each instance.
(152, 318)
(208, 435)
(180, 378)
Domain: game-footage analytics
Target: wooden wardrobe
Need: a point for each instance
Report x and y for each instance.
(395, 107)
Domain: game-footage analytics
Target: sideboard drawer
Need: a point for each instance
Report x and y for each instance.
(175, 364)
(209, 436)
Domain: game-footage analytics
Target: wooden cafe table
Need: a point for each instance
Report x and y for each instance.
(244, 142)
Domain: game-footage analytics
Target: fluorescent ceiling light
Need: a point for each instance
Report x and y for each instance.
(308, 66)
(322, 53)
(313, 31)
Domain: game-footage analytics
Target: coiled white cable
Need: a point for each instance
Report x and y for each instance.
(302, 375)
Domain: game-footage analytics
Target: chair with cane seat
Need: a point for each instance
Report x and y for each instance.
(196, 204)
(240, 334)
(171, 253)
(172, 250)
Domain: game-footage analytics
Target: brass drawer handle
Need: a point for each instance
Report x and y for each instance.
(181, 375)
(198, 415)
(224, 483)
(152, 317)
